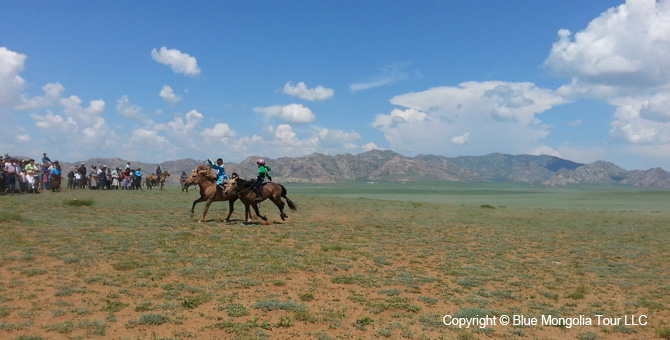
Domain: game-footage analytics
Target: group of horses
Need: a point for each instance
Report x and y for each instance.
(236, 188)
(153, 180)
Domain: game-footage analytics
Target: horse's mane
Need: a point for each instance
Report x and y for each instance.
(206, 172)
(245, 183)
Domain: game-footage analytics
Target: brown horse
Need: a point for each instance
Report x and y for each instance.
(271, 190)
(164, 176)
(151, 181)
(209, 192)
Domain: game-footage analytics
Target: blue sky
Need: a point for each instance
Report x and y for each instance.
(155, 81)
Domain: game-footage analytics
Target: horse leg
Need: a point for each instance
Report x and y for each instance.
(204, 211)
(201, 199)
(247, 213)
(258, 213)
(280, 204)
(231, 208)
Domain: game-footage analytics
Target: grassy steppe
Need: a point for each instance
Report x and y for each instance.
(357, 261)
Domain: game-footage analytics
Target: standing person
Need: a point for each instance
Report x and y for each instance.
(115, 178)
(102, 177)
(94, 177)
(263, 171)
(82, 173)
(182, 181)
(128, 166)
(221, 176)
(44, 179)
(55, 176)
(138, 178)
(77, 179)
(30, 175)
(10, 174)
(70, 179)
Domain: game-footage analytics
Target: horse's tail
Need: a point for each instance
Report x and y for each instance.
(290, 203)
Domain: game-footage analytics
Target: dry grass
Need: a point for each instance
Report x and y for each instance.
(135, 265)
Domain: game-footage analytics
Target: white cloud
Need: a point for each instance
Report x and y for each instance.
(53, 92)
(23, 138)
(625, 49)
(292, 113)
(462, 139)
(125, 109)
(168, 95)
(370, 146)
(545, 150)
(148, 138)
(630, 126)
(390, 74)
(493, 113)
(573, 123)
(178, 61)
(301, 91)
(220, 131)
(11, 84)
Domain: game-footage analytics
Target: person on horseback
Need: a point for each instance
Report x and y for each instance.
(221, 176)
(263, 171)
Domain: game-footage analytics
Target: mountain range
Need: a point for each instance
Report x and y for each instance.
(386, 165)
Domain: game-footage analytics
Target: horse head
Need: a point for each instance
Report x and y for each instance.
(231, 187)
(193, 179)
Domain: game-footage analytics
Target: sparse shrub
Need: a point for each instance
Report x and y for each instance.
(192, 302)
(306, 297)
(588, 336)
(663, 332)
(276, 304)
(114, 307)
(487, 206)
(236, 310)
(9, 217)
(153, 319)
(284, 322)
(362, 322)
(78, 202)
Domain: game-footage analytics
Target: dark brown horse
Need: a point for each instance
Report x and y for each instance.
(271, 190)
(209, 193)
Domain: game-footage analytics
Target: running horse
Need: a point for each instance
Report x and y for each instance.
(164, 176)
(209, 192)
(272, 191)
(151, 181)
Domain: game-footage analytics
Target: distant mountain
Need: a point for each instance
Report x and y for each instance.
(385, 165)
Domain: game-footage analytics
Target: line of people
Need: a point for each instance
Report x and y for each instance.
(103, 178)
(26, 176)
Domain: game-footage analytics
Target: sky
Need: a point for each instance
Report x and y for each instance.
(154, 81)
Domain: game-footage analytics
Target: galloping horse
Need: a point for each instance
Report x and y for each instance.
(164, 176)
(271, 190)
(151, 181)
(204, 178)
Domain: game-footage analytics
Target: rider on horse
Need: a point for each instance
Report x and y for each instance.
(263, 170)
(220, 172)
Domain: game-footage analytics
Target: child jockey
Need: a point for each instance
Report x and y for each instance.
(263, 170)
(220, 172)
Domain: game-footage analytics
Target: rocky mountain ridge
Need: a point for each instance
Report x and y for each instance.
(385, 165)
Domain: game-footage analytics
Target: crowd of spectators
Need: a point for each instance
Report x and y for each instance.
(19, 176)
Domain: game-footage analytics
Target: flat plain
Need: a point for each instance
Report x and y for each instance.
(356, 261)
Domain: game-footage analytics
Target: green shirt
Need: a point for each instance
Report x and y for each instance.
(263, 171)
